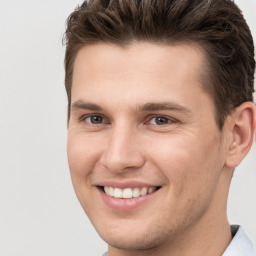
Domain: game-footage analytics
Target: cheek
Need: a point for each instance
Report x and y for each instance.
(82, 156)
(188, 165)
(82, 159)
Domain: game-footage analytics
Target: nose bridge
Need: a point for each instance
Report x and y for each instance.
(122, 150)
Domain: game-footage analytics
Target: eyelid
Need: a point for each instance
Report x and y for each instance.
(83, 117)
(170, 120)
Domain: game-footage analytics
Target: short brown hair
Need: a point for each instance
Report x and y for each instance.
(217, 25)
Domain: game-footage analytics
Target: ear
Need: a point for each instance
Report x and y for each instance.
(242, 130)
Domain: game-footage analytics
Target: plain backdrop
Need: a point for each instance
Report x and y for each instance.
(39, 212)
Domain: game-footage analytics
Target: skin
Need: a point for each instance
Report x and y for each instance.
(187, 156)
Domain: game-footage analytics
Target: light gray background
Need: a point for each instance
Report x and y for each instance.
(39, 213)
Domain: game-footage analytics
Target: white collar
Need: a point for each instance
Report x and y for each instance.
(240, 245)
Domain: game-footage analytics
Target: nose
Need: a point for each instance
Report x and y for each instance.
(122, 151)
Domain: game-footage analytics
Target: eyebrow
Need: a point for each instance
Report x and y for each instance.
(169, 106)
(85, 105)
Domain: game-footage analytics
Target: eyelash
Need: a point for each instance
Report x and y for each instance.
(169, 120)
(149, 119)
(83, 119)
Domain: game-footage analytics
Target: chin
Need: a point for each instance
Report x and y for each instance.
(134, 238)
(142, 243)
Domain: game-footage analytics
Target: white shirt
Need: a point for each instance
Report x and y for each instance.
(240, 245)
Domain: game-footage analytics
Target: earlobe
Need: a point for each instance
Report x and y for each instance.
(243, 131)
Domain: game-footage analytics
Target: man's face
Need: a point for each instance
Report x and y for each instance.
(142, 127)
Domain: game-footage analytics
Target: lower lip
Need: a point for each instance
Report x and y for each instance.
(127, 203)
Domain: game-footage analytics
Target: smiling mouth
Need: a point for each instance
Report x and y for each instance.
(128, 193)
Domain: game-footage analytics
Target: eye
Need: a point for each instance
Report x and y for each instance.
(159, 120)
(94, 119)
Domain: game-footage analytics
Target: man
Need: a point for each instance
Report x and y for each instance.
(160, 113)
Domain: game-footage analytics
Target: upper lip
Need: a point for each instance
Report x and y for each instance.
(127, 184)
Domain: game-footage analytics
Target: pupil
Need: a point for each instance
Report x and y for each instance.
(161, 120)
(96, 119)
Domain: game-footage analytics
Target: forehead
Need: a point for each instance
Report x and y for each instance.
(143, 55)
(146, 71)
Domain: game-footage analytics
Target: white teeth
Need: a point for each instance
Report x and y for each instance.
(128, 192)
(111, 191)
(143, 191)
(151, 190)
(106, 189)
(118, 193)
(136, 192)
